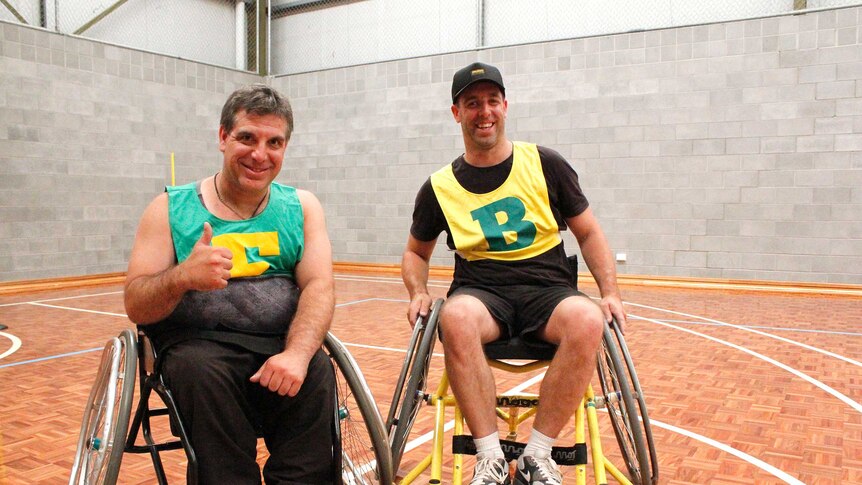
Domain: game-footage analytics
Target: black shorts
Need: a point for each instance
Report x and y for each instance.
(519, 309)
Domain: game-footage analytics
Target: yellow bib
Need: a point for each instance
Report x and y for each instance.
(511, 223)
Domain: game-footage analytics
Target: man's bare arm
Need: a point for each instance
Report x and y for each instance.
(597, 255)
(285, 372)
(155, 284)
(315, 281)
(414, 272)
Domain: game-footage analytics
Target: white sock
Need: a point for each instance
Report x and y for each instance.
(539, 445)
(488, 447)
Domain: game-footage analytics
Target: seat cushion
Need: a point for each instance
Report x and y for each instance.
(520, 349)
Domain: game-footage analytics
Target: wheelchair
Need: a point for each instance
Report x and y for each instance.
(620, 395)
(360, 436)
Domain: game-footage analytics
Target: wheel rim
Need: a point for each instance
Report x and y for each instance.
(624, 413)
(414, 390)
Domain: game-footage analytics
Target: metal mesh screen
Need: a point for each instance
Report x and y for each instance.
(315, 35)
(220, 32)
(515, 22)
(291, 36)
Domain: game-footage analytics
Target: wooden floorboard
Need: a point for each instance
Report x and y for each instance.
(742, 387)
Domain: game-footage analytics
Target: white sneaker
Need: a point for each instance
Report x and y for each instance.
(537, 471)
(491, 471)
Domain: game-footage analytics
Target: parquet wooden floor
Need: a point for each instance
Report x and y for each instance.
(742, 388)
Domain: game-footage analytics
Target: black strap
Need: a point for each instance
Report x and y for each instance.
(261, 344)
(562, 455)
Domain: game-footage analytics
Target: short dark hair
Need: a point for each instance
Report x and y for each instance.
(259, 100)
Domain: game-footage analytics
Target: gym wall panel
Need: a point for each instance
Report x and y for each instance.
(728, 150)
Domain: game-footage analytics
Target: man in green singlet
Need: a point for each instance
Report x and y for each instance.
(231, 277)
(503, 205)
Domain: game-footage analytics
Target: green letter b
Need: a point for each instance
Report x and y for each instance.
(494, 230)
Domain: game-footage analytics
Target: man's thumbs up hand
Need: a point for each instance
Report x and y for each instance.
(207, 267)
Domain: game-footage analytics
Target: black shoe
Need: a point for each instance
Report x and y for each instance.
(536, 471)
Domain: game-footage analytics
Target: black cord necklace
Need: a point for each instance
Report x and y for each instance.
(215, 185)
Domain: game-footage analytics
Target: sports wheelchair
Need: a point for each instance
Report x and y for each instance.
(359, 432)
(620, 395)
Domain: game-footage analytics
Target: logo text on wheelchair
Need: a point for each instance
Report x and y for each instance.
(518, 401)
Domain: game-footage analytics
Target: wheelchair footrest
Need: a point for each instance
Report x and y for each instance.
(562, 455)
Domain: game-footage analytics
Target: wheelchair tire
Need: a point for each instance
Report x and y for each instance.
(106, 415)
(410, 388)
(640, 401)
(363, 442)
(620, 399)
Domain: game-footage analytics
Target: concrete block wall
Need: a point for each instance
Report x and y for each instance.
(86, 132)
(729, 150)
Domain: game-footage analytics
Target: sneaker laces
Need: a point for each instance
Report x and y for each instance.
(546, 472)
(490, 470)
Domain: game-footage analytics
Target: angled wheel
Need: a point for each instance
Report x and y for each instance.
(624, 402)
(641, 404)
(363, 442)
(410, 387)
(106, 415)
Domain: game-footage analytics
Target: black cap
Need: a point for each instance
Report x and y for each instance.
(474, 73)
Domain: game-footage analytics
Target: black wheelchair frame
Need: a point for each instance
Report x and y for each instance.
(358, 431)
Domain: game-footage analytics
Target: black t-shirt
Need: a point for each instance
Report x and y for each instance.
(566, 200)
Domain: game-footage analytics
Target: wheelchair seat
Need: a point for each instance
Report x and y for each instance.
(518, 348)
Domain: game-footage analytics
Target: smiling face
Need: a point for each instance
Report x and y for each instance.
(481, 110)
(253, 150)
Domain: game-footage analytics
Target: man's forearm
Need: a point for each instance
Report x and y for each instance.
(313, 318)
(598, 257)
(151, 298)
(414, 272)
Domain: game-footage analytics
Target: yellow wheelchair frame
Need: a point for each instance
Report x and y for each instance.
(620, 395)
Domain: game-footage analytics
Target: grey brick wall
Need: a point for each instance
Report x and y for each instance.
(86, 132)
(731, 150)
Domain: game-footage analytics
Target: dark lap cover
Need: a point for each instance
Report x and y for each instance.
(263, 306)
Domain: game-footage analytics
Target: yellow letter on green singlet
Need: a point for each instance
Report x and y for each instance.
(239, 244)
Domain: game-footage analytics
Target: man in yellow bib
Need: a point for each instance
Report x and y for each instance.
(231, 277)
(503, 205)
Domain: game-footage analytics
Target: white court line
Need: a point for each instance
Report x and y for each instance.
(764, 327)
(366, 300)
(758, 332)
(855, 405)
(729, 449)
(85, 310)
(392, 281)
(123, 315)
(387, 349)
(690, 434)
(16, 344)
(380, 279)
(450, 425)
(62, 298)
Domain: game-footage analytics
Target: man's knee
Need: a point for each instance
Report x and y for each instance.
(465, 321)
(578, 320)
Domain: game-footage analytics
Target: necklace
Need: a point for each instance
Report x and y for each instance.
(215, 185)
